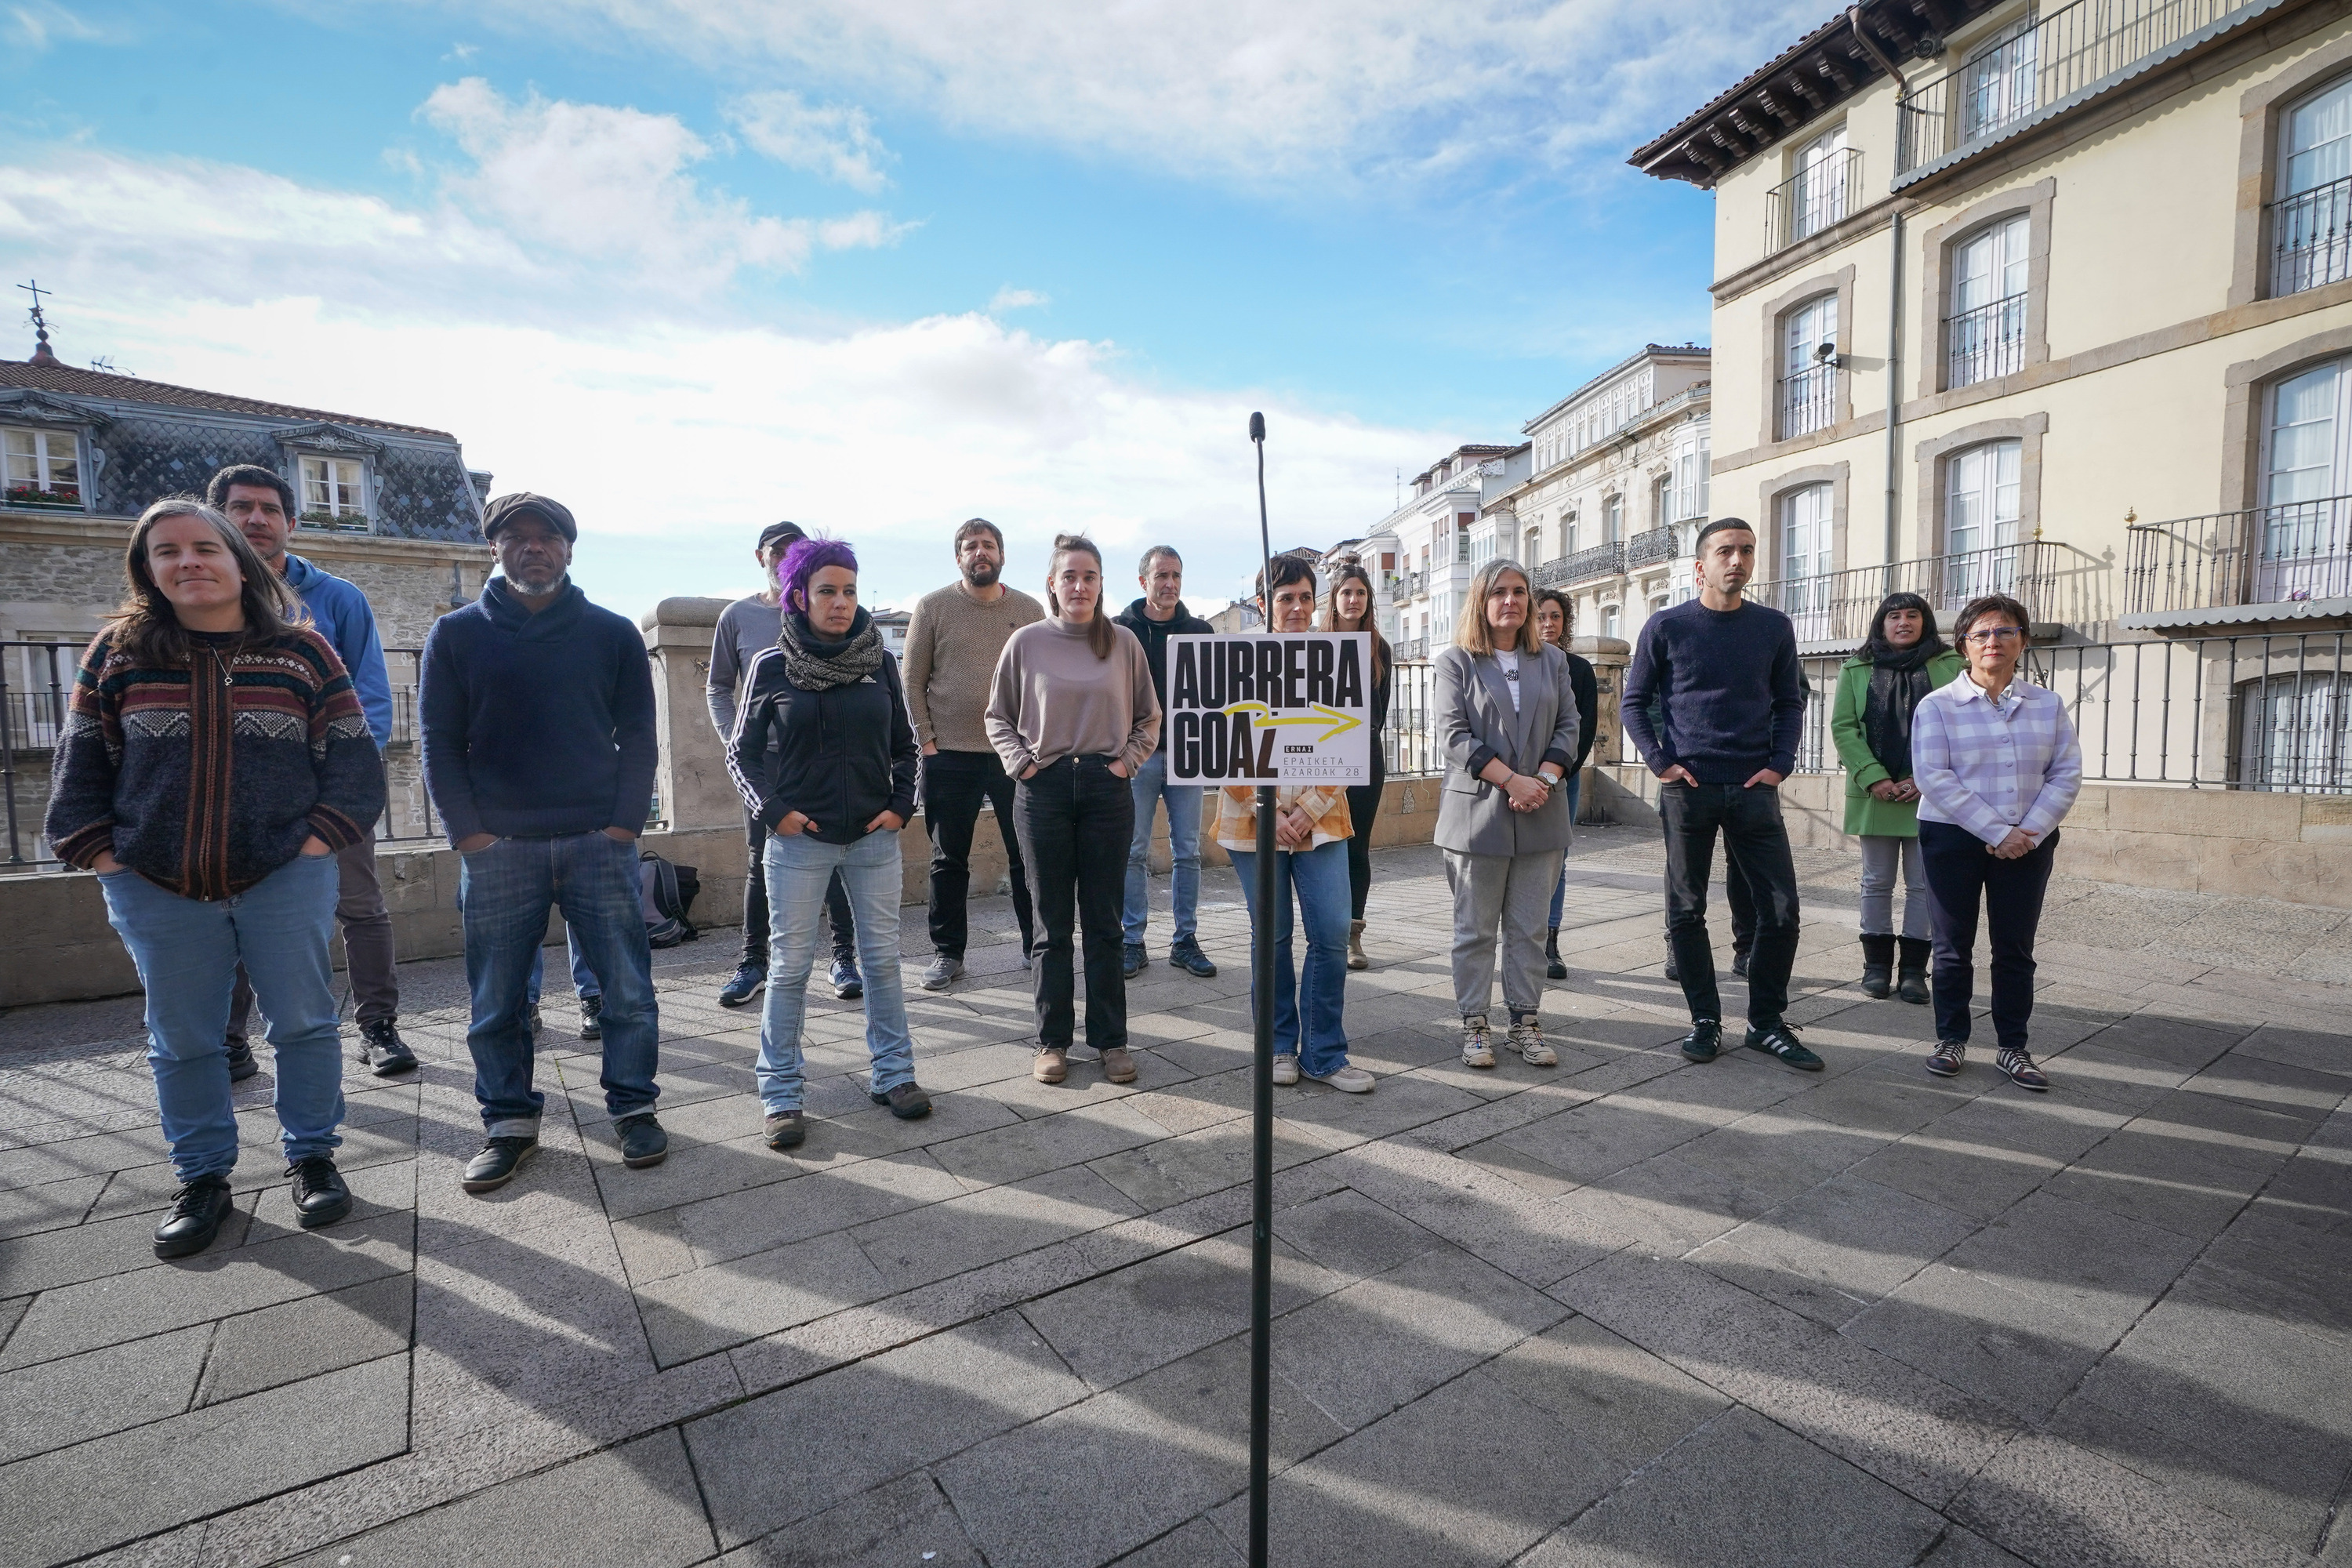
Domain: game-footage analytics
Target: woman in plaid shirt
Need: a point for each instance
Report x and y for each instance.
(1997, 766)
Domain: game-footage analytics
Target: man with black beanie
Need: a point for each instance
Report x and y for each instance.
(1730, 706)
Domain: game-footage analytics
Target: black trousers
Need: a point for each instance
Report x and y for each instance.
(1363, 805)
(1961, 876)
(1075, 820)
(954, 785)
(1743, 907)
(1756, 842)
(755, 903)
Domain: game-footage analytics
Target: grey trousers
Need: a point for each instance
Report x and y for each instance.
(367, 941)
(1880, 853)
(1513, 892)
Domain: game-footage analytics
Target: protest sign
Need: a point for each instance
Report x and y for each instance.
(1262, 708)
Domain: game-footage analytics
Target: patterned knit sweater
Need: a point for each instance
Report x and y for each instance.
(207, 776)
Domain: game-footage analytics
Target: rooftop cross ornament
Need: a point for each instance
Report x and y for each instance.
(41, 354)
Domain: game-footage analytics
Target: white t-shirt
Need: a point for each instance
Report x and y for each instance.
(1509, 661)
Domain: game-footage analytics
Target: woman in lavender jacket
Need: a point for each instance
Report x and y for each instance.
(1997, 766)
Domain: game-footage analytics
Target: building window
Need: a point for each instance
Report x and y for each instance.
(1997, 85)
(1985, 331)
(1609, 620)
(2296, 732)
(1808, 556)
(1809, 366)
(1662, 500)
(1817, 196)
(1690, 480)
(1613, 520)
(1981, 510)
(1462, 522)
(2311, 219)
(2303, 534)
(1567, 533)
(41, 467)
(333, 489)
(1534, 547)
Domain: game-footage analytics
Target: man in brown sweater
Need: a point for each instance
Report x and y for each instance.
(952, 643)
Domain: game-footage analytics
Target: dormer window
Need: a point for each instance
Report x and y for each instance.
(40, 467)
(334, 491)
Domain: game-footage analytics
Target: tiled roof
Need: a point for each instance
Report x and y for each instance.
(133, 389)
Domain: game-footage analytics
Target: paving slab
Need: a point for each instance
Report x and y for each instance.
(907, 1520)
(1834, 1250)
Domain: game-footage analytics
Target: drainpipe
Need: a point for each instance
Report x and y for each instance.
(1893, 306)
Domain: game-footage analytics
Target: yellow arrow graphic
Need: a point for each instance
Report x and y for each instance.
(1262, 716)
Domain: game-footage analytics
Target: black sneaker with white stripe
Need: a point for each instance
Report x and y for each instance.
(1780, 1040)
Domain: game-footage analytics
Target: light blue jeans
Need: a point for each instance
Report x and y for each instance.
(1318, 993)
(1149, 786)
(187, 951)
(799, 867)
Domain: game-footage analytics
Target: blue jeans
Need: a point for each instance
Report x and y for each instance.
(584, 979)
(1560, 888)
(799, 867)
(1149, 784)
(187, 952)
(505, 892)
(1320, 876)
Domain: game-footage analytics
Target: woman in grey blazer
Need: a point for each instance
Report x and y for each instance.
(1507, 720)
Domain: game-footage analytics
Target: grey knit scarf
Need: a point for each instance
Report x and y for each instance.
(816, 665)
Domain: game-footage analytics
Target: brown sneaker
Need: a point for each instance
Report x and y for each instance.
(1052, 1066)
(1117, 1066)
(785, 1130)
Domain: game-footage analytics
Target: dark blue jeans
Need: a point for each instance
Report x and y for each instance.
(505, 892)
(1962, 876)
(1757, 842)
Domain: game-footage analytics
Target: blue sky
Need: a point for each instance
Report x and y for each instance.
(874, 266)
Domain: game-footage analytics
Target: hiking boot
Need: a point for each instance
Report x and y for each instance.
(1285, 1069)
(1947, 1059)
(241, 1066)
(500, 1158)
(1187, 956)
(320, 1196)
(1780, 1040)
(380, 1043)
(2014, 1062)
(1131, 960)
(1348, 1080)
(1527, 1038)
(1477, 1042)
(943, 969)
(1672, 972)
(196, 1217)
(1356, 959)
(908, 1102)
(1052, 1066)
(749, 978)
(1878, 967)
(591, 1017)
(1911, 979)
(849, 986)
(1117, 1066)
(1704, 1041)
(1739, 961)
(643, 1142)
(785, 1129)
(1553, 968)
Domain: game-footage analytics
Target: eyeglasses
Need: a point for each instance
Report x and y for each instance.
(1992, 635)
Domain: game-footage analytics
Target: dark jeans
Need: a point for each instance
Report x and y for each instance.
(1074, 819)
(755, 903)
(1756, 842)
(1363, 805)
(1961, 873)
(954, 784)
(1743, 907)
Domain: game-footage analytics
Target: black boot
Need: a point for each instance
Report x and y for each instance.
(1911, 981)
(1878, 965)
(1553, 968)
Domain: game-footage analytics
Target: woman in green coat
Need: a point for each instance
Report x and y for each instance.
(1879, 688)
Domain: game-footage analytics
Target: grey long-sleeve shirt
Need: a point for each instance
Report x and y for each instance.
(745, 628)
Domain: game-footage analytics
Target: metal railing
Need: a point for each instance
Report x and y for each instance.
(1808, 400)
(2283, 554)
(1812, 199)
(37, 681)
(1985, 343)
(1407, 586)
(2310, 238)
(1600, 560)
(2055, 582)
(1656, 544)
(2069, 54)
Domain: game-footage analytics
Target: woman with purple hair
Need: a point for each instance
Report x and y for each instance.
(825, 757)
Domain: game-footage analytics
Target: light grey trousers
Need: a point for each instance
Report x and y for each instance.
(1513, 892)
(1879, 855)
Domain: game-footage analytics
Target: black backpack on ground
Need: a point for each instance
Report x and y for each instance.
(666, 892)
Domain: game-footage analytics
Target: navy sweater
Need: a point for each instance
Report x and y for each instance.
(1729, 691)
(537, 725)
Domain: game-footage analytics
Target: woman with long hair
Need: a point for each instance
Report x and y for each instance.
(1507, 726)
(1878, 691)
(823, 754)
(1312, 829)
(1349, 609)
(1072, 714)
(215, 760)
(1556, 623)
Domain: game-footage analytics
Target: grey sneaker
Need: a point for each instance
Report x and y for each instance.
(908, 1102)
(1349, 1081)
(1477, 1042)
(1527, 1038)
(1285, 1069)
(942, 970)
(785, 1130)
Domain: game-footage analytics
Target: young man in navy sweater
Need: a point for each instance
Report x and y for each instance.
(540, 753)
(1731, 708)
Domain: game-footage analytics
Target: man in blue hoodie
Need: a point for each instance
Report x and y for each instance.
(540, 753)
(261, 503)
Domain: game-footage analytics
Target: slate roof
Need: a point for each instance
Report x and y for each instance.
(135, 389)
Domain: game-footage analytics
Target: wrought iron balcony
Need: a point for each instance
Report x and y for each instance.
(1601, 560)
(1985, 343)
(1407, 587)
(1812, 199)
(1657, 544)
(2311, 238)
(2289, 554)
(1808, 400)
(1836, 607)
(1413, 651)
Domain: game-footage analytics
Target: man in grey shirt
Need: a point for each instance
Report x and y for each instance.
(746, 627)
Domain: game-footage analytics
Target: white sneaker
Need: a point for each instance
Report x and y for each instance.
(1349, 1081)
(1285, 1069)
(1477, 1042)
(1527, 1038)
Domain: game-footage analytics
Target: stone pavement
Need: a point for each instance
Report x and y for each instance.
(1625, 1311)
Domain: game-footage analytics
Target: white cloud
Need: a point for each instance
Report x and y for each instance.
(35, 25)
(836, 141)
(1011, 298)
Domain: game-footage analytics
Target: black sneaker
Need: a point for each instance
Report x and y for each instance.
(749, 978)
(1132, 959)
(643, 1142)
(591, 1017)
(1948, 1057)
(907, 1102)
(847, 983)
(1739, 963)
(1187, 956)
(196, 1217)
(1705, 1042)
(1780, 1040)
(500, 1158)
(320, 1196)
(241, 1065)
(381, 1043)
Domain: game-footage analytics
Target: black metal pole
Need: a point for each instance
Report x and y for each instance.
(1262, 1089)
